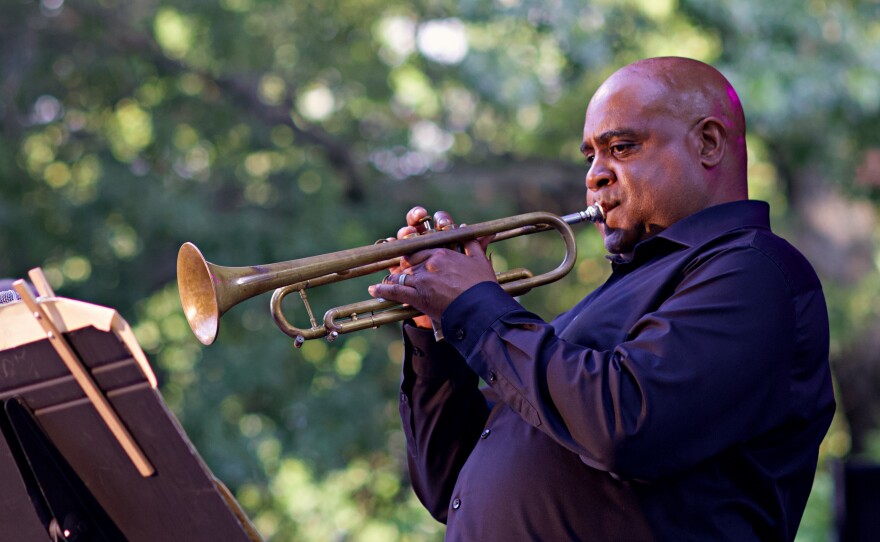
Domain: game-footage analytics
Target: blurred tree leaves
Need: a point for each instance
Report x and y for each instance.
(265, 130)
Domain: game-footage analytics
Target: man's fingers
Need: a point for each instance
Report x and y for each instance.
(399, 278)
(418, 258)
(475, 246)
(406, 231)
(485, 240)
(394, 292)
(442, 219)
(415, 215)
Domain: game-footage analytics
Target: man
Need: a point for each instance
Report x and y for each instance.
(684, 399)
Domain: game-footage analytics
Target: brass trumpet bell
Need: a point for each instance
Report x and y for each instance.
(199, 293)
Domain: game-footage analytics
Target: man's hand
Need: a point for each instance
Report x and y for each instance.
(431, 279)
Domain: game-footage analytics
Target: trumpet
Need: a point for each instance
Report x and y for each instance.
(208, 290)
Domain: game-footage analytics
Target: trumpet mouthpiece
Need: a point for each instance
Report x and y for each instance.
(593, 213)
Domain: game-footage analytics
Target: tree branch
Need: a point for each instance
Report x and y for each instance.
(240, 91)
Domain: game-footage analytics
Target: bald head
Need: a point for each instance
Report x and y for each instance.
(664, 138)
(689, 90)
(691, 86)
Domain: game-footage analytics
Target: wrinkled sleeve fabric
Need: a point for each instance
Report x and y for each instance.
(443, 412)
(716, 353)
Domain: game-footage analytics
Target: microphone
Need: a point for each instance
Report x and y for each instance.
(9, 296)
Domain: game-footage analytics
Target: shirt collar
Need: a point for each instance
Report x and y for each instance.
(709, 224)
(718, 220)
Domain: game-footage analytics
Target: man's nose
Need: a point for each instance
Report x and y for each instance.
(599, 175)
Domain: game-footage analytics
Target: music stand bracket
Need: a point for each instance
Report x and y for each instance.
(81, 374)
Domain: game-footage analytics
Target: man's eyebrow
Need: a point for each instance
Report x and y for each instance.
(607, 136)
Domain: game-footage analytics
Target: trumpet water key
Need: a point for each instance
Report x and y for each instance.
(208, 290)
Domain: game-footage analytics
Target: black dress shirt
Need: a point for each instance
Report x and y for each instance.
(684, 399)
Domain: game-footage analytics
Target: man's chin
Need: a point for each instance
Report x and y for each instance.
(616, 243)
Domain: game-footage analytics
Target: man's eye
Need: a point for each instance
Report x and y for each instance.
(589, 159)
(621, 148)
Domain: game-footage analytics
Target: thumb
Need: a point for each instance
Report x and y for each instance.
(474, 247)
(485, 240)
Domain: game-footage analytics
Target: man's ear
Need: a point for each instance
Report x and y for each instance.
(712, 136)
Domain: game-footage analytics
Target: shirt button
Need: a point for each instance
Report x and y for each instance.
(459, 334)
(456, 504)
(485, 433)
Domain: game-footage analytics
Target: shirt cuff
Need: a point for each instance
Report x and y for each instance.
(428, 358)
(471, 314)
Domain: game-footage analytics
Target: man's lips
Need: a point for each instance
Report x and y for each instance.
(607, 207)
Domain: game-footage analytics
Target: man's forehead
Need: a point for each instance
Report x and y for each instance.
(623, 108)
(629, 89)
(632, 92)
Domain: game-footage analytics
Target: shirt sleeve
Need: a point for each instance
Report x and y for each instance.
(443, 412)
(704, 371)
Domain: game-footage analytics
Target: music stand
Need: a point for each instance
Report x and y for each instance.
(89, 450)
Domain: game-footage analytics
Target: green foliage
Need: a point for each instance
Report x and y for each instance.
(265, 130)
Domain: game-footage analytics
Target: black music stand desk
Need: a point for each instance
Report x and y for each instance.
(65, 474)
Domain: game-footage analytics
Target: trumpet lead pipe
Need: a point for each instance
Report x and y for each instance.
(593, 213)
